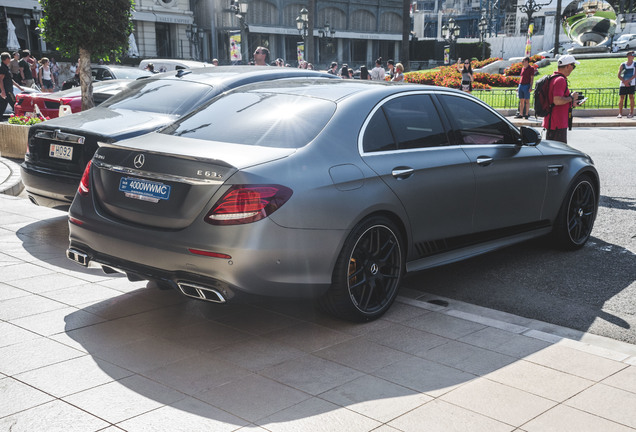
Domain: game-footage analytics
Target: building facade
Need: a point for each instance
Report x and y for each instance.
(200, 29)
(364, 29)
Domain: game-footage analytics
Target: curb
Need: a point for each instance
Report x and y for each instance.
(13, 184)
(582, 341)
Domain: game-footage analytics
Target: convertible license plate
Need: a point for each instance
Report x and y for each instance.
(61, 151)
(144, 190)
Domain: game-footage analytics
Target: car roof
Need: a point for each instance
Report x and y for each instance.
(214, 75)
(338, 89)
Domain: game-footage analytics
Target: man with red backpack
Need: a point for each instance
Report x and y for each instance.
(562, 101)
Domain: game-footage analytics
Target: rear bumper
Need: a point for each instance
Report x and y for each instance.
(266, 259)
(48, 189)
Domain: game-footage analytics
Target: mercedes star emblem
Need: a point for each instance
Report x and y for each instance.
(139, 161)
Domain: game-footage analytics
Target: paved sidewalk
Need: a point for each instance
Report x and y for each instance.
(81, 351)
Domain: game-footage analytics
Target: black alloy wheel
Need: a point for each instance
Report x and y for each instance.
(368, 272)
(577, 215)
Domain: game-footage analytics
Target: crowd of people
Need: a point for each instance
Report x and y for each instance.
(27, 71)
(395, 71)
(22, 69)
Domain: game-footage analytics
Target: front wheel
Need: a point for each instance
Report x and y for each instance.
(368, 272)
(576, 217)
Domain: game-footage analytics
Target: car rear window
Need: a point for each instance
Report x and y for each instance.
(130, 73)
(161, 96)
(260, 119)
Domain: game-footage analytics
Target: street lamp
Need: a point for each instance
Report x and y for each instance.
(483, 27)
(240, 11)
(27, 23)
(450, 32)
(302, 23)
(193, 35)
(530, 7)
(326, 32)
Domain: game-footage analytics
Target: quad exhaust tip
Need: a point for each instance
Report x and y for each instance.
(77, 256)
(201, 293)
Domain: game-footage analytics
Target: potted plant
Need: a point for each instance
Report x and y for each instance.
(14, 135)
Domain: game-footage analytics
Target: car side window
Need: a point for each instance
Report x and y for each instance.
(476, 124)
(377, 135)
(415, 122)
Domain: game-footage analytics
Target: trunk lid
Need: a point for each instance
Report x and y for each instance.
(166, 182)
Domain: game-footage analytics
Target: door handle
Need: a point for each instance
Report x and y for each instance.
(402, 173)
(484, 160)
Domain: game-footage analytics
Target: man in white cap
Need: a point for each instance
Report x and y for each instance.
(560, 118)
(627, 75)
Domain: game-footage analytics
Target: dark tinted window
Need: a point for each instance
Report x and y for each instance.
(415, 122)
(476, 124)
(161, 96)
(262, 119)
(377, 136)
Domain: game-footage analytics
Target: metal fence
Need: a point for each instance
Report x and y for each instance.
(508, 99)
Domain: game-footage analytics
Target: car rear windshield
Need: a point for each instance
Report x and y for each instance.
(260, 119)
(161, 96)
(130, 73)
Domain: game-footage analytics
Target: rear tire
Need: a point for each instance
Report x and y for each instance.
(368, 272)
(576, 218)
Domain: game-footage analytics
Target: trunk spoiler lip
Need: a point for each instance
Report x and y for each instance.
(156, 176)
(228, 152)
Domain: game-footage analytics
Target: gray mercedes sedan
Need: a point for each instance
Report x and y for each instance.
(330, 189)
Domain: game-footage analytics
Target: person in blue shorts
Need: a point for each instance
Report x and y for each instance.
(525, 85)
(627, 75)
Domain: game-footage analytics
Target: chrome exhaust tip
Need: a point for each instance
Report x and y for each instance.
(201, 293)
(78, 257)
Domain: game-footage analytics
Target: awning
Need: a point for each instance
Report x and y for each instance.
(170, 18)
(338, 35)
(22, 4)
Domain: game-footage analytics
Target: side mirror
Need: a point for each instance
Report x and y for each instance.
(530, 136)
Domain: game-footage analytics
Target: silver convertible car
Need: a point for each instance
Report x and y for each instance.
(331, 189)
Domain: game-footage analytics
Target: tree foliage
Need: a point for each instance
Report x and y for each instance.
(101, 27)
(90, 28)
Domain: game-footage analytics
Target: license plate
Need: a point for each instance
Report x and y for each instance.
(61, 152)
(144, 190)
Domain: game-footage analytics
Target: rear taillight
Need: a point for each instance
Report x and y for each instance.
(65, 101)
(247, 203)
(83, 186)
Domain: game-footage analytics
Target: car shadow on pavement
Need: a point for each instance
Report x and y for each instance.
(265, 361)
(619, 203)
(533, 280)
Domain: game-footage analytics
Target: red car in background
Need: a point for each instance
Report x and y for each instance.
(48, 104)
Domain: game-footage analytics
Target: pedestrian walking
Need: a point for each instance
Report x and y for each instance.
(390, 64)
(6, 83)
(467, 75)
(364, 73)
(45, 78)
(55, 72)
(523, 91)
(559, 120)
(398, 76)
(627, 76)
(25, 69)
(378, 72)
(14, 67)
(261, 56)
